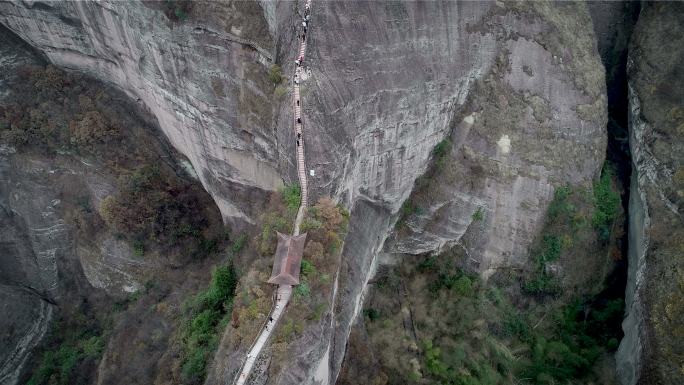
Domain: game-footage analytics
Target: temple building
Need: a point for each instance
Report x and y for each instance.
(288, 259)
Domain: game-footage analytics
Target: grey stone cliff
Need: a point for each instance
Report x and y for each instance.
(28, 271)
(204, 81)
(650, 352)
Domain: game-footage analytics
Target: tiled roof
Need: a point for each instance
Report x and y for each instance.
(288, 259)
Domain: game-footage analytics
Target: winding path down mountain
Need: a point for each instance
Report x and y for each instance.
(284, 292)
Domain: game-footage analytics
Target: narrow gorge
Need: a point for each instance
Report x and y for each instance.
(492, 192)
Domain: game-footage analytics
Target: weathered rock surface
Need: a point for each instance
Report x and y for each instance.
(518, 90)
(651, 352)
(529, 117)
(205, 80)
(29, 242)
(38, 249)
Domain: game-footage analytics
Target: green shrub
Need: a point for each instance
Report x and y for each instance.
(239, 244)
(194, 366)
(442, 273)
(290, 329)
(433, 363)
(309, 224)
(186, 229)
(514, 325)
(551, 248)
(58, 366)
(292, 195)
(133, 297)
(302, 290)
(343, 211)
(606, 202)
(93, 347)
(177, 10)
(554, 359)
(138, 248)
(208, 246)
(318, 311)
(275, 74)
(180, 14)
(280, 91)
(543, 284)
(409, 208)
(307, 268)
(612, 344)
(441, 149)
(427, 264)
(372, 314)
(199, 333)
(266, 241)
(478, 215)
(463, 286)
(324, 278)
(560, 205)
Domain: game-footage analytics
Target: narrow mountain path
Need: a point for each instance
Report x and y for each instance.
(284, 292)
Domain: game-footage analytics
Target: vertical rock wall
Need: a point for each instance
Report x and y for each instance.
(536, 121)
(652, 350)
(387, 79)
(29, 242)
(525, 110)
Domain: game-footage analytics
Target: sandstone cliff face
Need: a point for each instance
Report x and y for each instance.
(205, 81)
(377, 104)
(516, 87)
(650, 352)
(537, 109)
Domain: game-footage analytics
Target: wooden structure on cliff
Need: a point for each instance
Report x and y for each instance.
(288, 259)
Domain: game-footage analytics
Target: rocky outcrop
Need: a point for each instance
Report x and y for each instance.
(541, 105)
(650, 353)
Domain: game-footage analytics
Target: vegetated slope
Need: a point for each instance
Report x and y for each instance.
(308, 316)
(430, 320)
